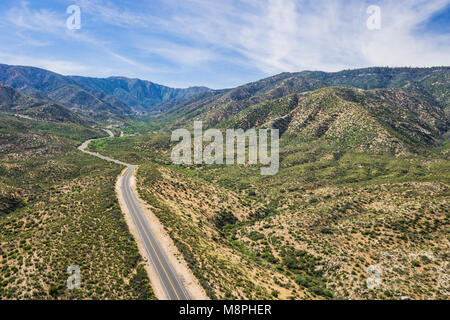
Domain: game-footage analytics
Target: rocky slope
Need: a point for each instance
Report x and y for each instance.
(382, 120)
(431, 83)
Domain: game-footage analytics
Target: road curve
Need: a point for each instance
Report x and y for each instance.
(171, 283)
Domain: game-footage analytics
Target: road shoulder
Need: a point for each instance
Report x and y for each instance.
(176, 259)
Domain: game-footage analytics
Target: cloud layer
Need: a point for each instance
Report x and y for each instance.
(221, 43)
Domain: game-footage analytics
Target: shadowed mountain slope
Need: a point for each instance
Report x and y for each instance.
(114, 97)
(15, 102)
(431, 83)
(144, 96)
(381, 120)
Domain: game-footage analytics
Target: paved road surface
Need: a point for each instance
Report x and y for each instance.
(170, 281)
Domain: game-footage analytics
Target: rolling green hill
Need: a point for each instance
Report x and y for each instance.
(374, 121)
(431, 83)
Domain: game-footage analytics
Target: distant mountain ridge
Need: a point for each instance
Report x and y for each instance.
(95, 97)
(139, 94)
(120, 97)
(15, 102)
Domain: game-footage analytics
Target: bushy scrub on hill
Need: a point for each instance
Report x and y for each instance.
(59, 208)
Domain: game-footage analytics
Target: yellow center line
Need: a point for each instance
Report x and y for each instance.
(156, 253)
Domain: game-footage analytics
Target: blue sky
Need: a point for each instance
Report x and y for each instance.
(223, 43)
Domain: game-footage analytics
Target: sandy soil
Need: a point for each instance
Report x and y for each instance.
(191, 283)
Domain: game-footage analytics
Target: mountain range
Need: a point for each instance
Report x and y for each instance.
(395, 110)
(363, 181)
(114, 97)
(14, 101)
(213, 107)
(381, 120)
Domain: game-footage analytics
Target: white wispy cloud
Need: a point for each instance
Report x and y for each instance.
(199, 39)
(42, 20)
(399, 43)
(58, 66)
(24, 20)
(110, 13)
(181, 55)
(289, 35)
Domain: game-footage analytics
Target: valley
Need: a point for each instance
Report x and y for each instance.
(59, 208)
(164, 271)
(363, 183)
(291, 235)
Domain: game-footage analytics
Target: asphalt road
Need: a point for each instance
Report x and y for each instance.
(170, 281)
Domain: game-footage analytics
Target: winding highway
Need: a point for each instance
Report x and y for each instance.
(168, 278)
